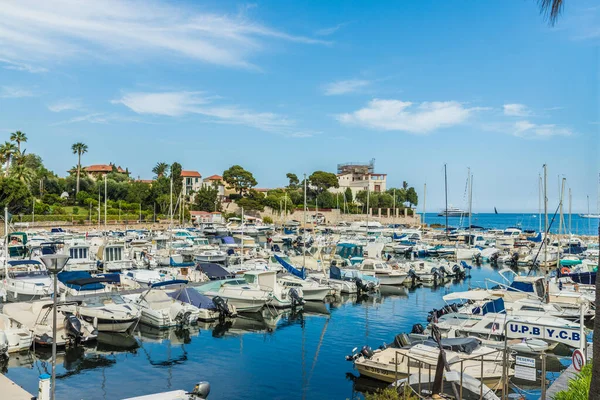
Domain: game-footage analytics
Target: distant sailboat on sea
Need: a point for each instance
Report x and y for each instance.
(590, 215)
(495, 211)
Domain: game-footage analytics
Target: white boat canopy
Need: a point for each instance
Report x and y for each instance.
(470, 295)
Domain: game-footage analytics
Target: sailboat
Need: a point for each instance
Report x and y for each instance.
(495, 210)
(597, 215)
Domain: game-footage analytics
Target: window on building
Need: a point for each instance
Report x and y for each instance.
(378, 188)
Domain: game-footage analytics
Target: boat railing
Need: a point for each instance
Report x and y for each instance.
(510, 288)
(423, 366)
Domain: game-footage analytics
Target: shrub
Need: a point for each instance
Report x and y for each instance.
(267, 220)
(579, 387)
(75, 210)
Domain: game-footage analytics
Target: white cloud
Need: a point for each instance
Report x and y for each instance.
(14, 92)
(22, 66)
(516, 110)
(331, 30)
(40, 32)
(174, 104)
(65, 105)
(343, 87)
(531, 130)
(396, 115)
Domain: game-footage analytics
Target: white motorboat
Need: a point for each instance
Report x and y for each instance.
(109, 312)
(144, 277)
(280, 296)
(210, 309)
(215, 256)
(311, 290)
(382, 271)
(26, 280)
(463, 355)
(161, 310)
(112, 258)
(236, 292)
(37, 317)
(18, 337)
(470, 387)
(80, 257)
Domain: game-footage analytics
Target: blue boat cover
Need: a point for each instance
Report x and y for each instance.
(536, 239)
(167, 283)
(193, 297)
(495, 306)
(227, 240)
(180, 265)
(397, 237)
(521, 287)
(465, 265)
(214, 271)
(23, 262)
(79, 280)
(290, 268)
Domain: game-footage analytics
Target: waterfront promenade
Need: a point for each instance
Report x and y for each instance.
(12, 391)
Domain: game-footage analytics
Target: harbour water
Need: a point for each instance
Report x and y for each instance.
(285, 356)
(525, 221)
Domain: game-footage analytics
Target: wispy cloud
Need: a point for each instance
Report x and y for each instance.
(528, 129)
(516, 110)
(98, 118)
(344, 87)
(405, 116)
(14, 92)
(331, 30)
(22, 66)
(176, 104)
(33, 32)
(65, 105)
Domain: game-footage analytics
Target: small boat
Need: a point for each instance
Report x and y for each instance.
(26, 280)
(200, 392)
(210, 256)
(37, 317)
(17, 336)
(210, 309)
(236, 292)
(471, 388)
(453, 212)
(161, 310)
(109, 312)
(311, 290)
(382, 271)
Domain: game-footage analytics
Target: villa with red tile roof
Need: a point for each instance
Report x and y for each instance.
(215, 180)
(99, 170)
(192, 181)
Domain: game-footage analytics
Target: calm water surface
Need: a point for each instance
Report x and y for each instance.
(285, 356)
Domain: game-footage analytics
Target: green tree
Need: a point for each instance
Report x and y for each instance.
(326, 199)
(293, 181)
(15, 195)
(207, 199)
(160, 169)
(385, 200)
(7, 150)
(322, 181)
(177, 180)
(18, 137)
(239, 179)
(249, 204)
(411, 196)
(348, 195)
(79, 149)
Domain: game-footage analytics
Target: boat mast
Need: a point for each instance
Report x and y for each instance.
(171, 202)
(6, 253)
(394, 207)
(105, 199)
(446, 196)
(570, 201)
(304, 231)
(540, 201)
(562, 196)
(242, 253)
(424, 203)
(545, 244)
(368, 211)
(470, 203)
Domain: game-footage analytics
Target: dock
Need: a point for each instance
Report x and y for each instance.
(562, 383)
(12, 391)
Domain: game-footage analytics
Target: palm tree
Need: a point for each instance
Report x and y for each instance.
(551, 9)
(79, 149)
(23, 173)
(161, 169)
(7, 150)
(19, 137)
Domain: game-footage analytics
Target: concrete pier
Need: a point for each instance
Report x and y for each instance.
(12, 391)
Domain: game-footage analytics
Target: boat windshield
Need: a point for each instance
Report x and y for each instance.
(233, 282)
(29, 274)
(103, 301)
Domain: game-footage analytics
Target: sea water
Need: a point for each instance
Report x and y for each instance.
(279, 356)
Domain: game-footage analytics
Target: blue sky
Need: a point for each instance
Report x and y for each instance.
(283, 87)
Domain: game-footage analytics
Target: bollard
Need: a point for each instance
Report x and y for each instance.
(44, 387)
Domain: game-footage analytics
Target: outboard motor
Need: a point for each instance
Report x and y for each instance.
(458, 271)
(413, 276)
(222, 307)
(366, 352)
(297, 300)
(276, 248)
(361, 286)
(417, 329)
(201, 391)
(514, 259)
(73, 327)
(183, 318)
(454, 307)
(478, 259)
(494, 258)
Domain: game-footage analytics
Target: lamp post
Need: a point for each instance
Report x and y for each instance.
(54, 264)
